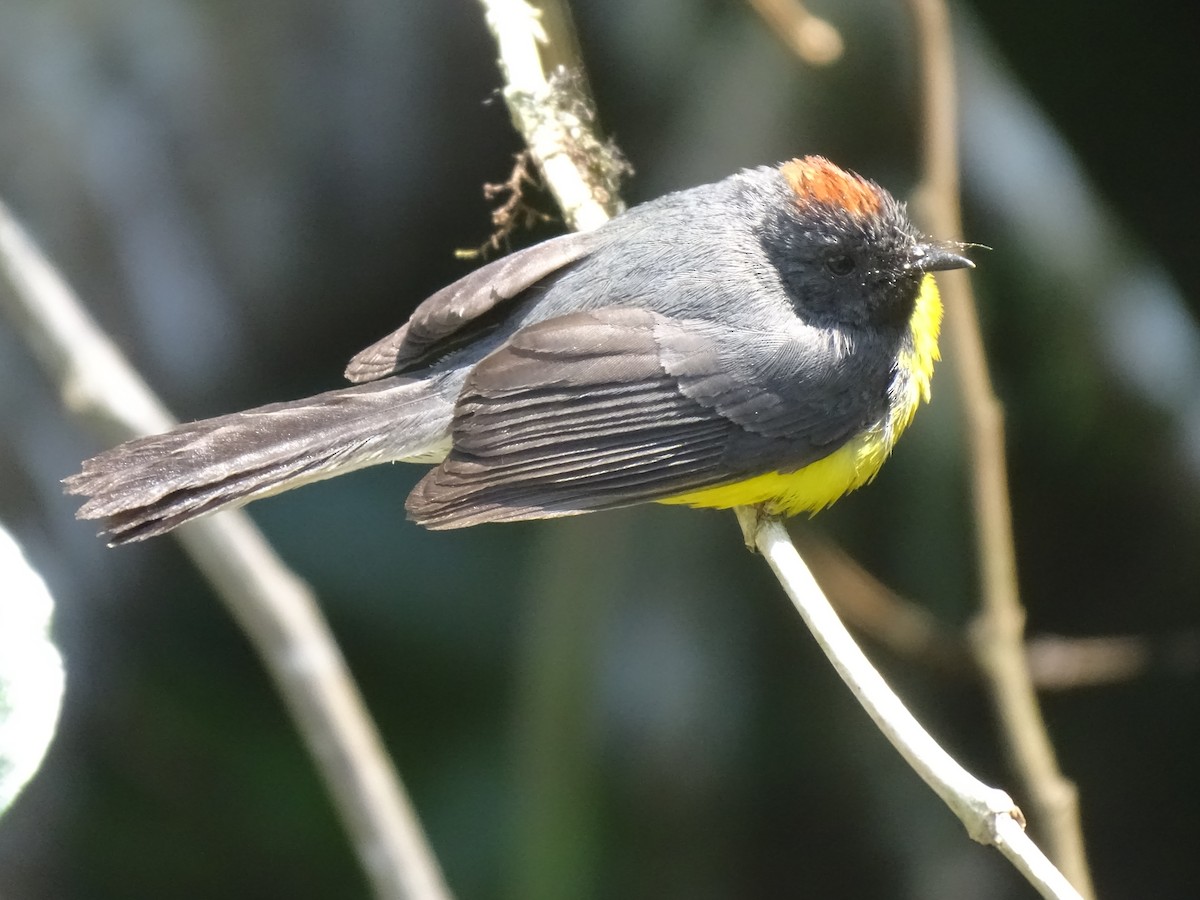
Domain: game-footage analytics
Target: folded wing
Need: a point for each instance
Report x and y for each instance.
(613, 407)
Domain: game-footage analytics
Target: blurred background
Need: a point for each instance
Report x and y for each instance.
(621, 705)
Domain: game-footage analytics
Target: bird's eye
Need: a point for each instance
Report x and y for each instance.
(842, 264)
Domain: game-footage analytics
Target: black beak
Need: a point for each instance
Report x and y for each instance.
(938, 258)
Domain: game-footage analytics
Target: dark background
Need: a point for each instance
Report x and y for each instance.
(621, 705)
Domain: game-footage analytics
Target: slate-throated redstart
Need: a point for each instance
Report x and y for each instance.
(761, 340)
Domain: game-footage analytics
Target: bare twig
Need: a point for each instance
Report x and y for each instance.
(989, 815)
(555, 116)
(1064, 663)
(810, 37)
(912, 632)
(513, 210)
(274, 608)
(904, 627)
(999, 632)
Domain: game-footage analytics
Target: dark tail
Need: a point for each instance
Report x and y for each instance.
(150, 485)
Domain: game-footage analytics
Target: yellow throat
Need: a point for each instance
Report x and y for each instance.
(856, 462)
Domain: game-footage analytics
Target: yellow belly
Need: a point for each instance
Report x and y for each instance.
(856, 462)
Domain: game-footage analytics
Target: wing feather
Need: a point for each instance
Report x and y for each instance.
(617, 406)
(572, 414)
(449, 313)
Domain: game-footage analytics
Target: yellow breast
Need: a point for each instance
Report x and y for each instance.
(857, 461)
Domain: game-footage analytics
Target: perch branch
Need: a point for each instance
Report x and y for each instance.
(989, 815)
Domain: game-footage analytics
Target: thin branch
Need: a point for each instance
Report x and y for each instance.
(810, 37)
(998, 635)
(554, 114)
(275, 609)
(989, 815)
(513, 211)
(904, 627)
(909, 630)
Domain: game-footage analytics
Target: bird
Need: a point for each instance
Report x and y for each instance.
(762, 340)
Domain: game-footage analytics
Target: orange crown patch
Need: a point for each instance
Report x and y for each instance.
(815, 179)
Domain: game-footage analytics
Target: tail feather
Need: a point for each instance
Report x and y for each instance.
(150, 485)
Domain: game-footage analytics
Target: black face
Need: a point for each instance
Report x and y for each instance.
(844, 269)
